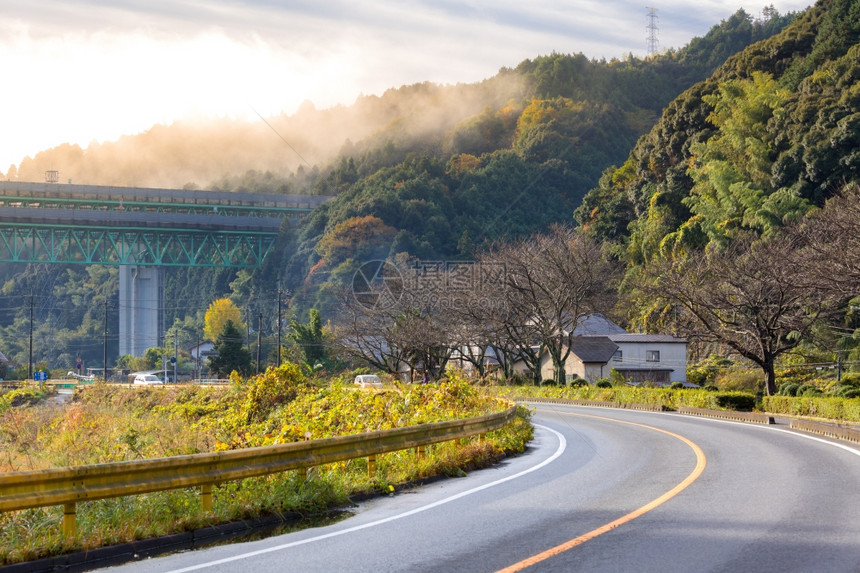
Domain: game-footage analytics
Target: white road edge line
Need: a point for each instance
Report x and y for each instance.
(763, 427)
(795, 433)
(562, 445)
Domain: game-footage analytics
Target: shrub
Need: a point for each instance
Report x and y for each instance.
(576, 381)
(847, 392)
(548, 382)
(735, 401)
(603, 383)
(273, 387)
(706, 371)
(747, 380)
(616, 377)
(808, 390)
(677, 386)
(788, 389)
(20, 397)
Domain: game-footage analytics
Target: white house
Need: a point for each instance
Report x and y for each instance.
(600, 346)
(655, 358)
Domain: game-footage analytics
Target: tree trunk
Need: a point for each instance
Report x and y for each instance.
(560, 375)
(769, 379)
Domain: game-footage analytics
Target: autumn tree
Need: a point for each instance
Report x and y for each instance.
(365, 237)
(218, 314)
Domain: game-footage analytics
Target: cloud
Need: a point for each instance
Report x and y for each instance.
(95, 69)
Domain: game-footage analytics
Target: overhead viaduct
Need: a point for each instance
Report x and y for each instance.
(142, 230)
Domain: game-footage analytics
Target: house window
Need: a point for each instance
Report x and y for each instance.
(652, 356)
(617, 356)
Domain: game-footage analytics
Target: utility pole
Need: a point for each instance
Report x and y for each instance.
(175, 354)
(198, 356)
(30, 366)
(104, 344)
(259, 339)
(279, 328)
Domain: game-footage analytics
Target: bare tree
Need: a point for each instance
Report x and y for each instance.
(406, 329)
(551, 281)
(369, 333)
(748, 297)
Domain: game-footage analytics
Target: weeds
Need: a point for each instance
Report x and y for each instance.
(108, 423)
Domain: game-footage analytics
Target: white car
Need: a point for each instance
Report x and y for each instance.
(147, 379)
(368, 381)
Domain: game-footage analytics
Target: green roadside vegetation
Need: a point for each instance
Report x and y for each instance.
(109, 423)
(724, 384)
(834, 408)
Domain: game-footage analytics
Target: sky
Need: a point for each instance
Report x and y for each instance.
(87, 71)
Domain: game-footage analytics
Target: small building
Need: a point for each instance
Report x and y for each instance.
(588, 359)
(659, 359)
(599, 346)
(202, 350)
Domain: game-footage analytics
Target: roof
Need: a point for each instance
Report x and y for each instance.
(665, 338)
(593, 348)
(596, 325)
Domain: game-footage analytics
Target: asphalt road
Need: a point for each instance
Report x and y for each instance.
(599, 490)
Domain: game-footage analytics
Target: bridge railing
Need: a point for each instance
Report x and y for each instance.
(129, 196)
(69, 486)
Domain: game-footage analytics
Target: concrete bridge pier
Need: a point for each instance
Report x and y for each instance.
(141, 300)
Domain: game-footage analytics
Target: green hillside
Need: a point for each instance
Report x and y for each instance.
(774, 131)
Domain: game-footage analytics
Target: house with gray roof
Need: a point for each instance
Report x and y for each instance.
(653, 358)
(599, 346)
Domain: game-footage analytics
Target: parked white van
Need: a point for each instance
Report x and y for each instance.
(368, 381)
(147, 379)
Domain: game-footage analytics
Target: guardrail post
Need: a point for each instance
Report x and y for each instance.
(420, 452)
(69, 513)
(371, 466)
(303, 473)
(206, 496)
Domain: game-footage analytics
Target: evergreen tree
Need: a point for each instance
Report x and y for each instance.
(231, 354)
(310, 338)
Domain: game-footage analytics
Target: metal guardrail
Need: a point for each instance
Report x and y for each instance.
(69, 486)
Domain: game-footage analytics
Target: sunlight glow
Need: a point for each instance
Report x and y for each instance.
(78, 88)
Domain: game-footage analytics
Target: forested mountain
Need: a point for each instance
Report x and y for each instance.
(504, 172)
(773, 132)
(426, 171)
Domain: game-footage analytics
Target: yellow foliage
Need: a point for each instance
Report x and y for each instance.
(217, 315)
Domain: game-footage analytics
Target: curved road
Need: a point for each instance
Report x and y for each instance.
(599, 490)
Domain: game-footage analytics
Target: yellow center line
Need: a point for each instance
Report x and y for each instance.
(558, 549)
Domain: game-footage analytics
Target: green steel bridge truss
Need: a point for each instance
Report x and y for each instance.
(87, 224)
(27, 243)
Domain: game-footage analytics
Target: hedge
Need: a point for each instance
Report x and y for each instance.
(832, 408)
(669, 398)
